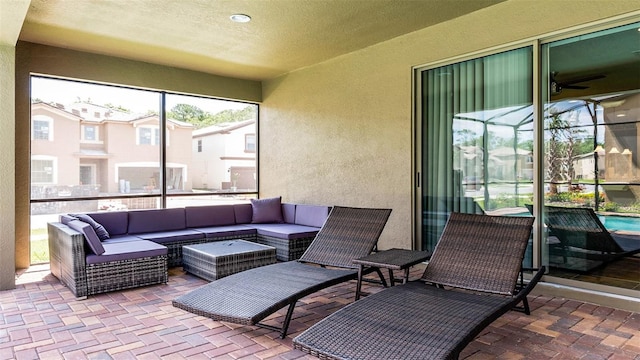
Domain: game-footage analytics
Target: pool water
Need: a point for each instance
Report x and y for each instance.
(625, 223)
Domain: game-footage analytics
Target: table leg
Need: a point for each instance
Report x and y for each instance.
(359, 283)
(406, 276)
(392, 280)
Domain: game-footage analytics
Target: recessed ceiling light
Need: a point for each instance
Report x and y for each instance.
(240, 18)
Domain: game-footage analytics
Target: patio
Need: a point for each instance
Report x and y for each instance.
(42, 319)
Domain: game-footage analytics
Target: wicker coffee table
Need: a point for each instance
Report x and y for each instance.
(218, 259)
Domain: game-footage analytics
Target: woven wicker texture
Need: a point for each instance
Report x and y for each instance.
(348, 234)
(218, 259)
(420, 321)
(250, 296)
(412, 321)
(126, 274)
(479, 252)
(286, 249)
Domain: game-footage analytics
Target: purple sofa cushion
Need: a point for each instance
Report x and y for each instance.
(243, 213)
(230, 230)
(311, 215)
(164, 237)
(286, 231)
(121, 238)
(102, 233)
(156, 220)
(213, 215)
(90, 236)
(127, 251)
(266, 210)
(289, 213)
(115, 222)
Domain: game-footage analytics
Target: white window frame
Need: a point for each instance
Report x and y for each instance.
(155, 135)
(42, 118)
(96, 128)
(54, 169)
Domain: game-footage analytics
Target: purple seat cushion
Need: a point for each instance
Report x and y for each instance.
(230, 230)
(147, 221)
(102, 233)
(115, 222)
(121, 238)
(289, 213)
(311, 215)
(213, 215)
(267, 210)
(243, 213)
(90, 236)
(163, 237)
(286, 231)
(127, 251)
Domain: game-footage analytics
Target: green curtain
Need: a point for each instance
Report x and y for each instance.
(489, 83)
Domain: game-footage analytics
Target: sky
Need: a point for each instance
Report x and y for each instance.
(138, 101)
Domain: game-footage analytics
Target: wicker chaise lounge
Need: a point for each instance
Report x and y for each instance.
(250, 296)
(472, 277)
(585, 242)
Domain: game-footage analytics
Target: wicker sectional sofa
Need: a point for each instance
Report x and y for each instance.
(140, 245)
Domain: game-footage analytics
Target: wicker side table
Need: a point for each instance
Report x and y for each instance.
(392, 259)
(218, 259)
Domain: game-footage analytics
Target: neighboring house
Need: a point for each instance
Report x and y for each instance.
(514, 164)
(584, 166)
(224, 156)
(86, 149)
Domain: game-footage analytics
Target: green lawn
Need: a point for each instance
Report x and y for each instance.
(39, 246)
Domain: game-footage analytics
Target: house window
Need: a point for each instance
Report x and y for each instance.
(148, 135)
(250, 143)
(43, 170)
(89, 133)
(42, 128)
(199, 146)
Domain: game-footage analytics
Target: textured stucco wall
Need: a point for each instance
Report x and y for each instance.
(7, 178)
(340, 132)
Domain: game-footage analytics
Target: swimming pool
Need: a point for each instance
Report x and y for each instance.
(624, 223)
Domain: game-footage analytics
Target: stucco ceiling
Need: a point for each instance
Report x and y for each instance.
(284, 35)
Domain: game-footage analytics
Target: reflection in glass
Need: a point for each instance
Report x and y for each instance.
(591, 114)
(478, 139)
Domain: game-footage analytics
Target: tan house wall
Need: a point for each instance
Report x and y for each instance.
(340, 132)
(61, 146)
(8, 209)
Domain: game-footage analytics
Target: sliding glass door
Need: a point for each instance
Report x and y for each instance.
(477, 138)
(591, 130)
(488, 141)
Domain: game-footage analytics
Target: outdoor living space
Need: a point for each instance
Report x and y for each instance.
(422, 107)
(42, 319)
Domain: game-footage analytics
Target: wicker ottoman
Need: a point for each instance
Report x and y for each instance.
(218, 259)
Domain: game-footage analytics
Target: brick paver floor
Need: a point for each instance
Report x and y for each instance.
(41, 319)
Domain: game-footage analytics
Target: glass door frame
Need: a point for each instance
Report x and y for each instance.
(538, 173)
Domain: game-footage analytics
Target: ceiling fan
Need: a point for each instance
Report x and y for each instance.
(557, 86)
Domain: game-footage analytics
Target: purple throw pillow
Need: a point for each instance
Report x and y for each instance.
(267, 210)
(90, 236)
(102, 233)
